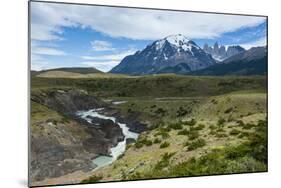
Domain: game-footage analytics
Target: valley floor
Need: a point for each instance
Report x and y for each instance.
(195, 126)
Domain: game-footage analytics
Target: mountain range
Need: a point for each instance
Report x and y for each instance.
(174, 52)
(177, 54)
(249, 62)
(221, 53)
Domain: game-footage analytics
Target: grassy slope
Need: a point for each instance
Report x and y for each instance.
(67, 74)
(143, 160)
(156, 86)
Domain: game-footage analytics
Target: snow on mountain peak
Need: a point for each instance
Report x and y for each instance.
(178, 40)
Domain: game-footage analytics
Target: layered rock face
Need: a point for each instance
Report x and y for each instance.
(63, 143)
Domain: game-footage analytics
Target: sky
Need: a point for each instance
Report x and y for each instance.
(67, 35)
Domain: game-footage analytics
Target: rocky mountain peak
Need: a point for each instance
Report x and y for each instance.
(172, 54)
(220, 52)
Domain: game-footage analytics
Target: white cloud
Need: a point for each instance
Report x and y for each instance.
(113, 57)
(104, 66)
(259, 42)
(38, 61)
(48, 20)
(106, 62)
(100, 45)
(47, 51)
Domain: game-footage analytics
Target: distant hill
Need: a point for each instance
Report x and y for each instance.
(74, 72)
(250, 62)
(81, 70)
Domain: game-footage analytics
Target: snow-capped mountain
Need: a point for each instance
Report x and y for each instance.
(172, 54)
(221, 53)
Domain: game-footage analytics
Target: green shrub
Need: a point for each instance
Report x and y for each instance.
(176, 126)
(221, 122)
(163, 134)
(183, 132)
(234, 132)
(199, 127)
(191, 122)
(248, 126)
(156, 141)
(182, 112)
(212, 127)
(164, 162)
(143, 141)
(212, 132)
(228, 110)
(193, 135)
(221, 135)
(243, 134)
(196, 144)
(92, 179)
(164, 145)
(240, 123)
(120, 156)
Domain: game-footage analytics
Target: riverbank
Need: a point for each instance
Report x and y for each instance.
(94, 117)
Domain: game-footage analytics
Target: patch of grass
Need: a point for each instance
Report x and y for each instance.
(164, 145)
(249, 156)
(196, 144)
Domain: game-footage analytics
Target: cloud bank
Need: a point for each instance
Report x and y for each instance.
(49, 19)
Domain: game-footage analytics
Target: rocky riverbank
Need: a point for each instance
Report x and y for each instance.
(61, 142)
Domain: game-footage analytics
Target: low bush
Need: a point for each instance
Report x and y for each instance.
(176, 126)
(198, 128)
(143, 142)
(92, 179)
(164, 145)
(228, 110)
(183, 132)
(164, 162)
(156, 141)
(234, 132)
(221, 135)
(191, 122)
(221, 122)
(240, 123)
(196, 144)
(193, 135)
(248, 126)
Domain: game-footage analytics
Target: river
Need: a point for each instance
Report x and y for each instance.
(115, 151)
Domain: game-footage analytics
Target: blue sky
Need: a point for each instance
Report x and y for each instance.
(65, 35)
